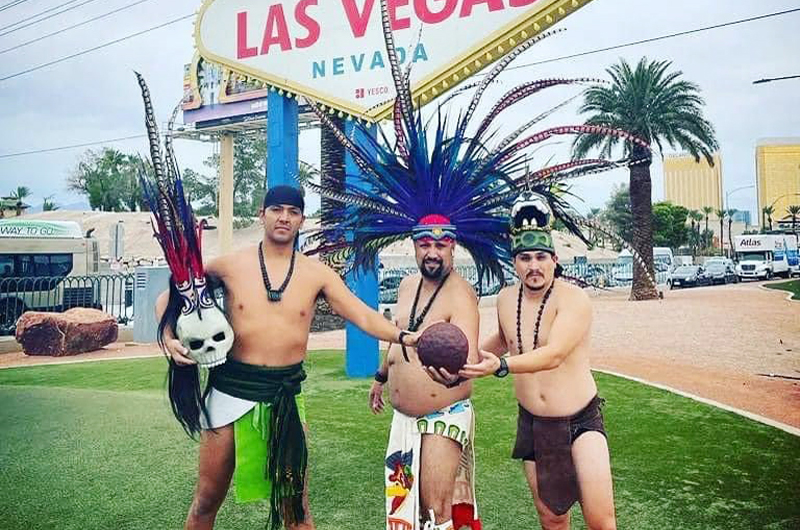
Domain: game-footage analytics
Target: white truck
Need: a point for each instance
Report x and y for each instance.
(762, 256)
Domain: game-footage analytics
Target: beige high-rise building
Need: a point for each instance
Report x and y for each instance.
(778, 169)
(693, 184)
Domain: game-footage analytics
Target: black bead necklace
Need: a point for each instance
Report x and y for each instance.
(538, 317)
(415, 322)
(274, 295)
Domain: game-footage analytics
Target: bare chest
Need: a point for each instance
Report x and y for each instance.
(526, 323)
(247, 301)
(418, 313)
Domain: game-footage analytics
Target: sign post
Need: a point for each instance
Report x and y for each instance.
(362, 355)
(282, 139)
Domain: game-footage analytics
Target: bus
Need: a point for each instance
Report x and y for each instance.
(36, 257)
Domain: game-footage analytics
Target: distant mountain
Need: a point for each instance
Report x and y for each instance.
(80, 206)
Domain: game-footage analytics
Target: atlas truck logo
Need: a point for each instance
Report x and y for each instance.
(750, 243)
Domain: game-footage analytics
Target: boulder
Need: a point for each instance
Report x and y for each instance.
(72, 332)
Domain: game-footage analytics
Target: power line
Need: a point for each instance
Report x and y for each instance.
(62, 59)
(109, 13)
(771, 79)
(654, 39)
(12, 4)
(17, 23)
(672, 35)
(65, 147)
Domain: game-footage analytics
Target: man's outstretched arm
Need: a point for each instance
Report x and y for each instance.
(351, 308)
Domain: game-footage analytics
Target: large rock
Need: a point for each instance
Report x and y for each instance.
(72, 332)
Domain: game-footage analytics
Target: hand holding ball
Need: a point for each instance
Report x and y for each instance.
(443, 345)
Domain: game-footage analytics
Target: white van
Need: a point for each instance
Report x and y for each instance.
(663, 263)
(35, 258)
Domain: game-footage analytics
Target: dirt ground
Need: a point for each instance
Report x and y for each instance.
(712, 342)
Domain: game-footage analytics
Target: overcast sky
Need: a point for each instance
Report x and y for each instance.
(94, 96)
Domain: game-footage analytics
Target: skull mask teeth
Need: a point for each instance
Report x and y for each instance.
(531, 210)
(207, 335)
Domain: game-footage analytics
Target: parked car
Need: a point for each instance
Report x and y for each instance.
(388, 289)
(721, 271)
(689, 276)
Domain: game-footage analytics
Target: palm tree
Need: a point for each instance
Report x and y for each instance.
(730, 213)
(332, 168)
(767, 211)
(695, 216)
(721, 216)
(48, 205)
(707, 211)
(20, 194)
(794, 211)
(658, 107)
(594, 215)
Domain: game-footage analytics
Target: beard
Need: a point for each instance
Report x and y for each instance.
(433, 274)
(535, 288)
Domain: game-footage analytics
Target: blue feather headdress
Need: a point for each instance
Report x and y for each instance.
(436, 180)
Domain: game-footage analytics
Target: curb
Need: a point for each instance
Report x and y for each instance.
(789, 295)
(750, 415)
(79, 361)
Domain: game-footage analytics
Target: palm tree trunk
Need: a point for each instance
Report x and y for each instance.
(641, 189)
(730, 236)
(332, 167)
(721, 237)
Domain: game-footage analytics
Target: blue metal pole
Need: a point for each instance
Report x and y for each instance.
(362, 353)
(282, 138)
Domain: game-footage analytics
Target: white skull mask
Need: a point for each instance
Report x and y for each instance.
(207, 335)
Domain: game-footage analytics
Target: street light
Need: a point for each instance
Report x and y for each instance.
(727, 204)
(781, 197)
(771, 79)
(730, 218)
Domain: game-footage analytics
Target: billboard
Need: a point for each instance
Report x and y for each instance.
(214, 95)
(333, 50)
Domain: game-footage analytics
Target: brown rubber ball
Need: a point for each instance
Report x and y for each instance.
(443, 345)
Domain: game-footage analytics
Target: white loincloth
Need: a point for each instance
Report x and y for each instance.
(224, 409)
(401, 467)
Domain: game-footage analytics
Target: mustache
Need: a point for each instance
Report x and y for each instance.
(432, 261)
(534, 274)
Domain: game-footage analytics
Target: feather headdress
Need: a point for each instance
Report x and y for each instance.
(438, 179)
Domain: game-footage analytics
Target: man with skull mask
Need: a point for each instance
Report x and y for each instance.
(255, 394)
(544, 324)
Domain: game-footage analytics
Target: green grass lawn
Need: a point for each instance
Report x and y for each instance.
(93, 446)
(793, 286)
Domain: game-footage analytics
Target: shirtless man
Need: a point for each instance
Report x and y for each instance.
(437, 293)
(544, 324)
(270, 317)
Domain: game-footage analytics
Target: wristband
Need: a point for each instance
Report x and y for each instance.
(403, 333)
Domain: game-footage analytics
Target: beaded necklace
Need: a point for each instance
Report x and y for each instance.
(538, 317)
(274, 295)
